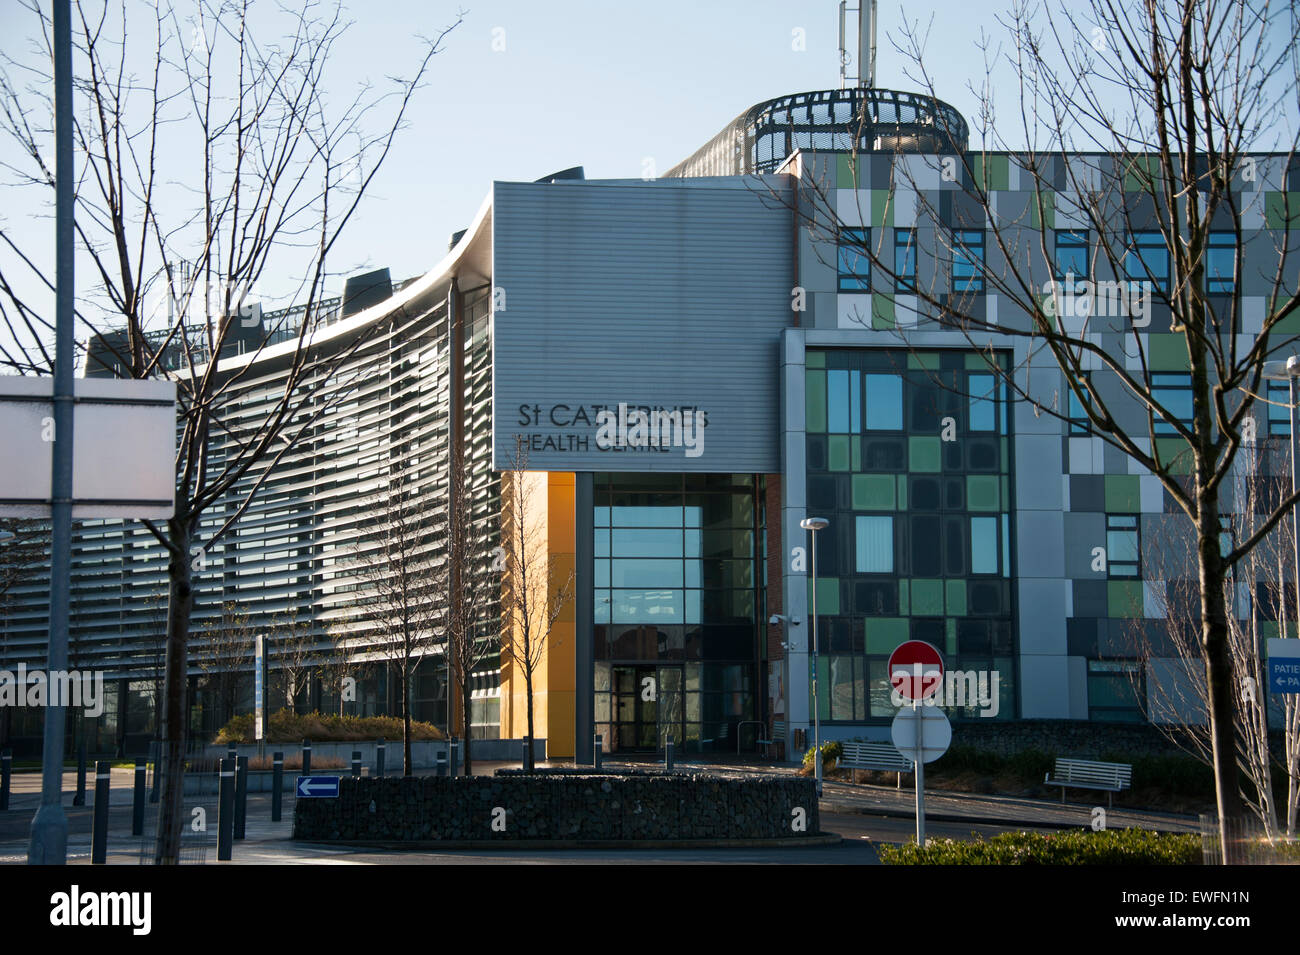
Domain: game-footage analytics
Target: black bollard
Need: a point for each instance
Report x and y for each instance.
(226, 811)
(379, 758)
(277, 784)
(99, 836)
(454, 766)
(156, 746)
(668, 754)
(306, 757)
(137, 811)
(440, 764)
(6, 772)
(241, 795)
(356, 762)
(80, 798)
(596, 753)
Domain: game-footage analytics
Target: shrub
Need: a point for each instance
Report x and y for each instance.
(1074, 847)
(832, 753)
(286, 726)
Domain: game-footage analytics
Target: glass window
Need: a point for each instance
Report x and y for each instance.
(855, 264)
(884, 403)
(1115, 690)
(875, 545)
(983, 391)
(843, 401)
(1079, 423)
(1123, 545)
(1174, 392)
(1071, 254)
(968, 261)
(1221, 263)
(905, 260)
(1279, 408)
(984, 545)
(1147, 261)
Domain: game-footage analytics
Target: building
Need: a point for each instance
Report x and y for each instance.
(689, 367)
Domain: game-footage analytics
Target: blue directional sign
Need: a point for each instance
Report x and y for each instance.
(1283, 665)
(318, 787)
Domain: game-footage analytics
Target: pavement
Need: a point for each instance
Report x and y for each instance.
(863, 815)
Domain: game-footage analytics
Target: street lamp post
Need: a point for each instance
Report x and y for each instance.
(813, 525)
(1290, 370)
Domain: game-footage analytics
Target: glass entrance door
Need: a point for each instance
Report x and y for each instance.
(648, 707)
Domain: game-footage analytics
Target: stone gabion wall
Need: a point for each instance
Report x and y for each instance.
(430, 808)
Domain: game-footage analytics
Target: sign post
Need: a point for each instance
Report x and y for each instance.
(259, 694)
(921, 733)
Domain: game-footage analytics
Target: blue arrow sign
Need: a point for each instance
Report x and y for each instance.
(318, 787)
(1283, 665)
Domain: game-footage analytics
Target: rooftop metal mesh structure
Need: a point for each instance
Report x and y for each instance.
(846, 120)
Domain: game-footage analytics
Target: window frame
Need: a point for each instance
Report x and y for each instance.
(1057, 246)
(1129, 570)
(905, 278)
(963, 245)
(852, 241)
(1146, 278)
(1226, 241)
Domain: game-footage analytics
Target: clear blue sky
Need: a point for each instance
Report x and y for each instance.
(603, 85)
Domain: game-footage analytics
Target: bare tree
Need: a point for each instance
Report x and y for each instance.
(344, 667)
(262, 174)
(1176, 701)
(293, 649)
(533, 596)
(472, 625)
(403, 585)
(1131, 123)
(226, 654)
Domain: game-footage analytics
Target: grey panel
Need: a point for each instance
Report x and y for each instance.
(669, 294)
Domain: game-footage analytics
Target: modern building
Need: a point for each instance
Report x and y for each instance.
(689, 367)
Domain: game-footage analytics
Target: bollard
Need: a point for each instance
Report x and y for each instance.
(306, 757)
(668, 754)
(226, 811)
(80, 798)
(232, 751)
(99, 836)
(356, 762)
(137, 811)
(6, 772)
(596, 754)
(440, 764)
(379, 758)
(156, 746)
(241, 795)
(454, 766)
(277, 784)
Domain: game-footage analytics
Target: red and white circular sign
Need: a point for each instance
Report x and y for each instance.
(916, 670)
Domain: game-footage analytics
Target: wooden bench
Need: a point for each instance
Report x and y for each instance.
(778, 736)
(878, 756)
(1089, 774)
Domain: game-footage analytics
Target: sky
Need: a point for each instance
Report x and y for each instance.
(523, 89)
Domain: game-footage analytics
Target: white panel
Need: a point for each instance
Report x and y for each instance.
(123, 454)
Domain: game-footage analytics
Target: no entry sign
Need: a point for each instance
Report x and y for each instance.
(916, 670)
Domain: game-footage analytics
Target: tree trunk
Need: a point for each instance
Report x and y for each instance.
(175, 721)
(528, 753)
(1218, 672)
(407, 766)
(465, 717)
